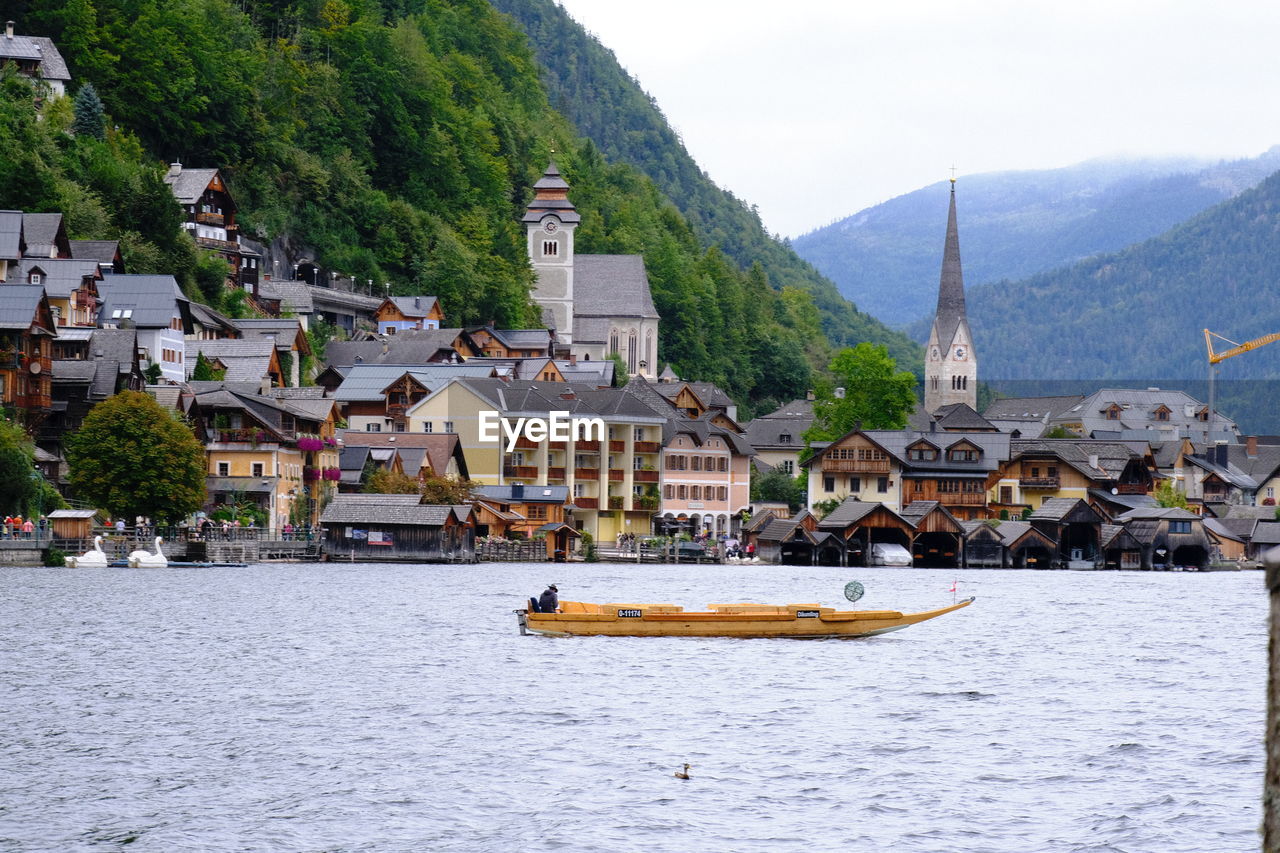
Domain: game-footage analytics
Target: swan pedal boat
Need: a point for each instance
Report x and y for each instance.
(580, 619)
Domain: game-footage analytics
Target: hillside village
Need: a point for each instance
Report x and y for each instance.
(295, 424)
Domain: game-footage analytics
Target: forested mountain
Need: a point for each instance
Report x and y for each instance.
(586, 83)
(1015, 224)
(400, 139)
(1138, 316)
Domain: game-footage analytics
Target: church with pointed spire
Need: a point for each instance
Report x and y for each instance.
(950, 362)
(598, 305)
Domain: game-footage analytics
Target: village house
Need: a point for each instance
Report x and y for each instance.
(402, 313)
(1169, 537)
(606, 475)
(1149, 415)
(511, 343)
(27, 331)
(71, 285)
(1041, 470)
(279, 454)
(376, 398)
(409, 348)
(106, 253)
(293, 350)
(12, 244)
(211, 219)
(421, 455)
(35, 57)
(778, 437)
(706, 480)
(155, 306)
(854, 466)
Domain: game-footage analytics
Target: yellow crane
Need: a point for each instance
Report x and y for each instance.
(1216, 358)
(1236, 349)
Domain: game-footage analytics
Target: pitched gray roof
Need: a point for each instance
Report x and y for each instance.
(1151, 512)
(189, 184)
(246, 360)
(1137, 413)
(389, 510)
(414, 306)
(101, 251)
(994, 447)
(1055, 509)
(284, 330)
(52, 65)
(611, 286)
(850, 511)
(19, 304)
(294, 296)
(368, 381)
(531, 494)
(1030, 408)
(960, 416)
(1112, 456)
(41, 233)
(414, 347)
(523, 397)
(62, 276)
(10, 234)
(152, 299)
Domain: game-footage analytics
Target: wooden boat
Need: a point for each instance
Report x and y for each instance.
(578, 618)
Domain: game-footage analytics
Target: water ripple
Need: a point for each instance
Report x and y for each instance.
(395, 708)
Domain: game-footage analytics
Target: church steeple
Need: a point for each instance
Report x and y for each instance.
(951, 365)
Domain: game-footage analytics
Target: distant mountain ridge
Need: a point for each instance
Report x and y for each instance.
(1015, 224)
(1119, 317)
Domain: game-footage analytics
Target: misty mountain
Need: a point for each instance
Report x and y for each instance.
(1015, 224)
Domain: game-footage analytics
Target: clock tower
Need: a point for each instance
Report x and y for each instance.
(950, 363)
(549, 221)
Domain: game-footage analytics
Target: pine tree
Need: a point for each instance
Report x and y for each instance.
(90, 119)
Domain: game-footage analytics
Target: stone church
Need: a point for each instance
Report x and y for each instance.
(950, 363)
(597, 304)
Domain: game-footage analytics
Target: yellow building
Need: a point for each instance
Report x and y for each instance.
(612, 473)
(280, 455)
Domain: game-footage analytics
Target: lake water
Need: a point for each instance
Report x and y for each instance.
(396, 708)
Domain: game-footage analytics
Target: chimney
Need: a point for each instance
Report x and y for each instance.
(567, 395)
(933, 425)
(1093, 460)
(417, 302)
(1251, 447)
(808, 395)
(573, 358)
(386, 345)
(8, 29)
(175, 169)
(517, 492)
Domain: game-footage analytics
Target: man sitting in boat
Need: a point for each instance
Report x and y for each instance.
(548, 602)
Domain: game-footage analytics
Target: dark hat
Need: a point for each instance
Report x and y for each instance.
(552, 587)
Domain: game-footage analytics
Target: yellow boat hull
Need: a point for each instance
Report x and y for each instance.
(799, 621)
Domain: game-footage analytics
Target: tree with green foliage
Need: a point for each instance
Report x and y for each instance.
(620, 375)
(874, 395)
(1059, 431)
(18, 479)
(777, 485)
(90, 120)
(385, 482)
(153, 373)
(1170, 496)
(131, 456)
(824, 508)
(203, 371)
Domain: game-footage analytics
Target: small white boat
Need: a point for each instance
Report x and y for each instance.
(146, 560)
(94, 558)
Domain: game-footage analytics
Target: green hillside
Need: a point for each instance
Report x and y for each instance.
(400, 139)
(586, 83)
(1014, 225)
(1137, 317)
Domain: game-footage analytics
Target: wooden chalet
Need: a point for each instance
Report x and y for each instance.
(402, 313)
(27, 331)
(797, 542)
(1120, 550)
(397, 528)
(1007, 545)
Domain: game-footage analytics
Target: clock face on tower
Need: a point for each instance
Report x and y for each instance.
(550, 227)
(960, 352)
(935, 354)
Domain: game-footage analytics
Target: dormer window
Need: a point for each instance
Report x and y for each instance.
(1162, 413)
(35, 278)
(964, 453)
(784, 438)
(922, 453)
(1113, 412)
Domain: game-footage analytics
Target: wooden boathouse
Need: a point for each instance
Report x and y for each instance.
(395, 528)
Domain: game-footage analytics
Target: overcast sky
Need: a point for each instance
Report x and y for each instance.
(815, 109)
